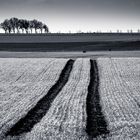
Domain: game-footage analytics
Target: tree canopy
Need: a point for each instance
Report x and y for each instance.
(15, 25)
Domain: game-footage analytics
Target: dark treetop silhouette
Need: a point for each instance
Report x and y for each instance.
(15, 25)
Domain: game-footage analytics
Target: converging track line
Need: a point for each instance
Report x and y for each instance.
(96, 123)
(34, 116)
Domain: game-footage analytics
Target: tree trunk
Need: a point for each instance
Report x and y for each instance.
(14, 31)
(17, 30)
(26, 31)
(36, 31)
(9, 31)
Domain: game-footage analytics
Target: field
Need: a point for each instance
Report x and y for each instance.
(70, 42)
(70, 99)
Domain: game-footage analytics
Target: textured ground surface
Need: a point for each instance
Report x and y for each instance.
(98, 100)
(120, 96)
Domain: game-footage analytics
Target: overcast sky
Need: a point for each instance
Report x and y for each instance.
(74, 15)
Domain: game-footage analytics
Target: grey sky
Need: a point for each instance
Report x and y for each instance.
(74, 15)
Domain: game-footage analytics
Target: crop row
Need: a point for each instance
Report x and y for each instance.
(66, 99)
(119, 98)
(66, 119)
(34, 116)
(96, 122)
(18, 77)
(23, 96)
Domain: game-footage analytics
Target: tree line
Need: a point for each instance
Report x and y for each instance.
(15, 25)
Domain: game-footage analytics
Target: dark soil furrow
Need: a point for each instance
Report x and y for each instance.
(26, 123)
(96, 123)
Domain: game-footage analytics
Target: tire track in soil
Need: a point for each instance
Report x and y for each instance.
(96, 123)
(34, 116)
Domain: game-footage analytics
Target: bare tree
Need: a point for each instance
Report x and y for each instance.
(26, 26)
(6, 26)
(31, 25)
(40, 26)
(45, 27)
(35, 22)
(15, 24)
(21, 25)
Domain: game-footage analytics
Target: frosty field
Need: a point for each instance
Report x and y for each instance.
(70, 99)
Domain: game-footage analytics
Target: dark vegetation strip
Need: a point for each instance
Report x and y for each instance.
(96, 123)
(25, 124)
(138, 104)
